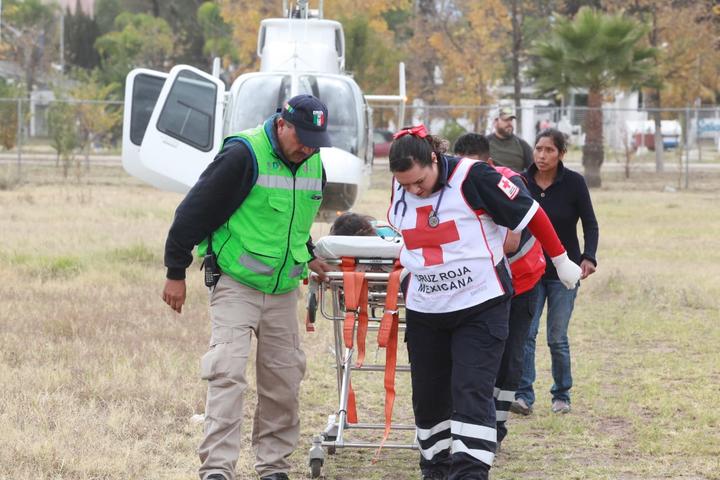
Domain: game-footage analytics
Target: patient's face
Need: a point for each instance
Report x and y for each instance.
(419, 180)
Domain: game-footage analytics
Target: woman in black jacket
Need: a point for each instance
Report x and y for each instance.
(564, 196)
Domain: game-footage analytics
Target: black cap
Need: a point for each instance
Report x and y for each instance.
(309, 117)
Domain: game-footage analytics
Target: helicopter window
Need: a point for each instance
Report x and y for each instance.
(188, 114)
(146, 90)
(257, 99)
(342, 110)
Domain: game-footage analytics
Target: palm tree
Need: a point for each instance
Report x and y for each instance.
(596, 51)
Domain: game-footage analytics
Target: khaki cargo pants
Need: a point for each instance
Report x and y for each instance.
(238, 311)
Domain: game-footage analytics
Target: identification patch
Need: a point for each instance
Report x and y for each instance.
(508, 188)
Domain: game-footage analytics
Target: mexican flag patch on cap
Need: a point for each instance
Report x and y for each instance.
(318, 118)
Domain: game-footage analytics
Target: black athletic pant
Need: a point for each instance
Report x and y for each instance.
(454, 359)
(522, 309)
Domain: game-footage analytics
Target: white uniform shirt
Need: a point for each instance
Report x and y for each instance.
(453, 264)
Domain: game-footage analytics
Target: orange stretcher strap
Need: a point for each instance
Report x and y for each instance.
(351, 406)
(391, 301)
(356, 307)
(388, 337)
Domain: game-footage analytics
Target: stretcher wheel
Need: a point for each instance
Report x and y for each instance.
(330, 438)
(312, 307)
(315, 467)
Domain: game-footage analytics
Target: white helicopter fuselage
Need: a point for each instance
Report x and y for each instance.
(175, 123)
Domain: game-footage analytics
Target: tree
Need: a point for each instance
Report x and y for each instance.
(368, 54)
(63, 134)
(96, 118)
(245, 19)
(139, 40)
(686, 37)
(28, 29)
(596, 51)
(81, 31)
(528, 19)
(9, 114)
(461, 33)
(367, 35)
(217, 33)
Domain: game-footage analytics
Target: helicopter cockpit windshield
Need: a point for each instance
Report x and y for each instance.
(260, 95)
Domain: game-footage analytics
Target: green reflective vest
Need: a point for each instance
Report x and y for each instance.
(264, 242)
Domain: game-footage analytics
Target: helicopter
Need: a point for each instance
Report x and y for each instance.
(174, 123)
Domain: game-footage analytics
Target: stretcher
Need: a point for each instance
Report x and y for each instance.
(361, 296)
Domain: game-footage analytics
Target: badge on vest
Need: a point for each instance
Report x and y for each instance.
(508, 188)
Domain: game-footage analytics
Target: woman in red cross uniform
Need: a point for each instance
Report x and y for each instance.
(450, 212)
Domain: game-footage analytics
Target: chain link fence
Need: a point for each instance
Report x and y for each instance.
(69, 135)
(689, 137)
(73, 136)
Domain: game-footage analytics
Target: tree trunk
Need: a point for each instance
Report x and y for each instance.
(516, 49)
(593, 151)
(654, 97)
(659, 162)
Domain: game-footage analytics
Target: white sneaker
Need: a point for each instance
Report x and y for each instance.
(560, 406)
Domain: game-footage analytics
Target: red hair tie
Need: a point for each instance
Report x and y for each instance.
(419, 131)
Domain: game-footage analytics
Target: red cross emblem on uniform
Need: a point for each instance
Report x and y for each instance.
(508, 188)
(429, 239)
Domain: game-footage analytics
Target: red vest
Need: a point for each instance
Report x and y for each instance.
(527, 264)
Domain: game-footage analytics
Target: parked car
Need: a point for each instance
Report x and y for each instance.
(643, 134)
(381, 142)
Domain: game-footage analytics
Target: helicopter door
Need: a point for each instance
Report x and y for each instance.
(142, 89)
(185, 130)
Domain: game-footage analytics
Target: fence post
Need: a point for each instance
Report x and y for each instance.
(687, 147)
(19, 137)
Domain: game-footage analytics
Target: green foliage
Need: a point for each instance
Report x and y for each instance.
(217, 33)
(8, 113)
(96, 120)
(27, 13)
(63, 133)
(451, 131)
(48, 268)
(139, 40)
(81, 31)
(106, 11)
(595, 51)
(28, 31)
(368, 56)
(137, 254)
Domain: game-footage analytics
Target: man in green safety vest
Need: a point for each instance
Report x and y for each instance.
(250, 213)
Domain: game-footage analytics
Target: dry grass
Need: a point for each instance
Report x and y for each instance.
(99, 378)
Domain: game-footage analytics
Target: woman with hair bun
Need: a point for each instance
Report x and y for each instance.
(450, 212)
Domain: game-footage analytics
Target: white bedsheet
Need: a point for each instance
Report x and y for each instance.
(336, 246)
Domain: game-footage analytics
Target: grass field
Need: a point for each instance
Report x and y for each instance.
(99, 379)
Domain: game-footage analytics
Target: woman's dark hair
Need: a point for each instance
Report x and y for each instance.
(410, 149)
(558, 138)
(353, 224)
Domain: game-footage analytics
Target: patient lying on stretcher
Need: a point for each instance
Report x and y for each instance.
(353, 225)
(360, 237)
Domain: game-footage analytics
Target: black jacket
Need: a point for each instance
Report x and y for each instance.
(219, 191)
(566, 201)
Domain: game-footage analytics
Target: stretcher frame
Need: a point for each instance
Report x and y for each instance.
(334, 436)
